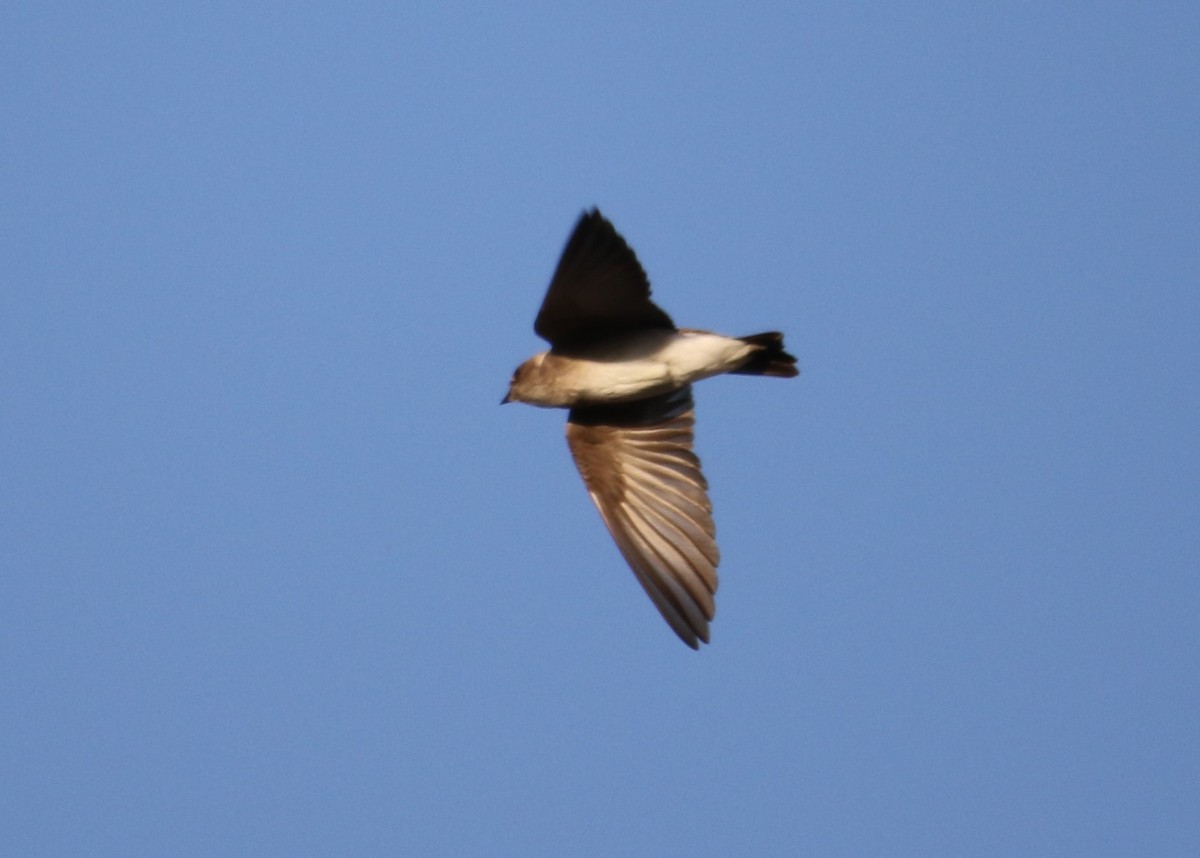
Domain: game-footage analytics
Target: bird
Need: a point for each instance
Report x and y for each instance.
(624, 372)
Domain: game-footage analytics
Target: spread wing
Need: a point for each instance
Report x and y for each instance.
(637, 462)
(598, 289)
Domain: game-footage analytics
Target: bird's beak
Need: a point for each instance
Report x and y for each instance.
(507, 398)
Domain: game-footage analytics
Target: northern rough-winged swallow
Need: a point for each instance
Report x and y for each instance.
(625, 371)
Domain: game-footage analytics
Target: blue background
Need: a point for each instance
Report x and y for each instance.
(279, 577)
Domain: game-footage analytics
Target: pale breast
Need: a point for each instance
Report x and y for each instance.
(653, 362)
(616, 380)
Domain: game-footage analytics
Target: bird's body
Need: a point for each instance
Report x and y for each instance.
(625, 371)
(627, 368)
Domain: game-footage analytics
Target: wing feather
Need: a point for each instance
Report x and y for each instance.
(598, 289)
(637, 463)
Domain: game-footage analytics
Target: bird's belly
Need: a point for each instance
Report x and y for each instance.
(619, 381)
(677, 360)
(693, 355)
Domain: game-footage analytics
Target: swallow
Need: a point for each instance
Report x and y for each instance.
(625, 372)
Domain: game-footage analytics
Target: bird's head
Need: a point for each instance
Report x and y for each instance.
(526, 381)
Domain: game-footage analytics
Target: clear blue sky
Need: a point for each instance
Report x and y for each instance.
(278, 576)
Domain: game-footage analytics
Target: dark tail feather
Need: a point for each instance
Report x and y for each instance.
(770, 359)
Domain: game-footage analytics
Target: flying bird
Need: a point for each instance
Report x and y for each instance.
(618, 362)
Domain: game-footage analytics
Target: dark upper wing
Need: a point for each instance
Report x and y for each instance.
(599, 288)
(637, 462)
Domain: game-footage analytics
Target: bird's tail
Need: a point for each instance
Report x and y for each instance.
(769, 358)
